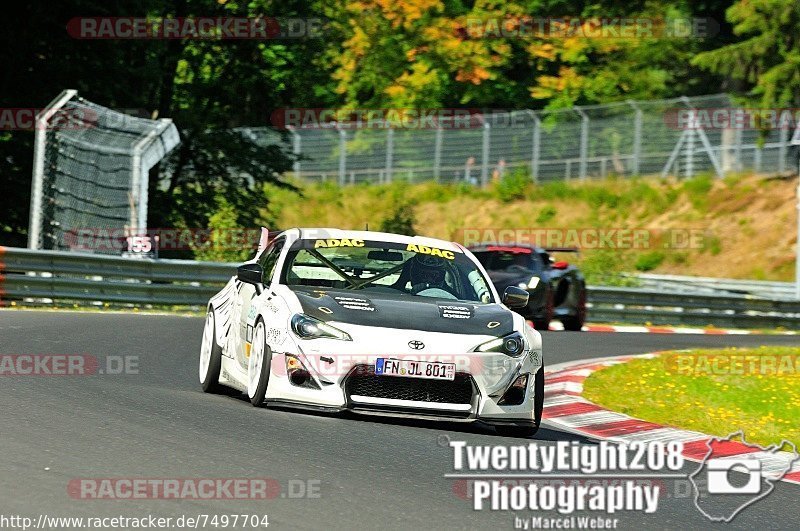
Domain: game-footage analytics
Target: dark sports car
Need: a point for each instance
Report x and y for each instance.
(557, 289)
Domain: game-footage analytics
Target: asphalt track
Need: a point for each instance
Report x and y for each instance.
(373, 472)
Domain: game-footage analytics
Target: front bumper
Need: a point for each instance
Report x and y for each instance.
(360, 390)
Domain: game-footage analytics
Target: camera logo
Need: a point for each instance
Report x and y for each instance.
(721, 470)
(735, 474)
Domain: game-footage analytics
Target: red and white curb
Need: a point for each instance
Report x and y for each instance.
(567, 410)
(557, 326)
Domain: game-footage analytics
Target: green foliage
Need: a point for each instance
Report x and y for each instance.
(513, 186)
(602, 267)
(224, 232)
(649, 261)
(401, 221)
(767, 55)
(553, 190)
(697, 190)
(713, 245)
(547, 213)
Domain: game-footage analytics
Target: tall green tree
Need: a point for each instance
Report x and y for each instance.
(767, 56)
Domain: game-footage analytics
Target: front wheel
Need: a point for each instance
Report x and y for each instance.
(258, 365)
(210, 356)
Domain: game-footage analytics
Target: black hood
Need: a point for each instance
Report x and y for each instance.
(406, 312)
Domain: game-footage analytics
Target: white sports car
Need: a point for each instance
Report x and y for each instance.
(374, 323)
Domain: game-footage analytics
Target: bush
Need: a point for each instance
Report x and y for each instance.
(649, 261)
(512, 186)
(401, 221)
(697, 190)
(218, 248)
(602, 267)
(546, 214)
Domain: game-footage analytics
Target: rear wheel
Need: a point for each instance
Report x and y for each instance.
(210, 356)
(575, 323)
(258, 365)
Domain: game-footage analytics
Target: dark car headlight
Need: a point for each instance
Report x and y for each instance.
(512, 345)
(307, 327)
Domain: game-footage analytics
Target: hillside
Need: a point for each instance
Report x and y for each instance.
(744, 226)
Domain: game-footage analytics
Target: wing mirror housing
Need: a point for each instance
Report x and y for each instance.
(250, 273)
(515, 297)
(560, 265)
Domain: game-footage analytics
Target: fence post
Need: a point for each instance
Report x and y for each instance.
(738, 142)
(487, 131)
(689, 155)
(389, 153)
(782, 149)
(296, 146)
(35, 218)
(584, 143)
(536, 147)
(342, 155)
(637, 137)
(795, 141)
(437, 154)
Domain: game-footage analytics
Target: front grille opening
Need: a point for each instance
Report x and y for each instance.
(363, 381)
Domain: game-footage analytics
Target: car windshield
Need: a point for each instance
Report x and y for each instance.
(385, 267)
(505, 258)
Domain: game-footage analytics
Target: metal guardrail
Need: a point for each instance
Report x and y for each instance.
(39, 277)
(639, 305)
(35, 277)
(679, 283)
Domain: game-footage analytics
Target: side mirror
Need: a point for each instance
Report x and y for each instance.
(250, 273)
(560, 265)
(515, 297)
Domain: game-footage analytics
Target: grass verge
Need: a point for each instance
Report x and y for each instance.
(715, 392)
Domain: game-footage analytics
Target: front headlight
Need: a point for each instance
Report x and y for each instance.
(307, 327)
(512, 345)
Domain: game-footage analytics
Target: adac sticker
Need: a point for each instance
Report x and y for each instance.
(433, 251)
(338, 242)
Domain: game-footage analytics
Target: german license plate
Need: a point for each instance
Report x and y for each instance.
(432, 370)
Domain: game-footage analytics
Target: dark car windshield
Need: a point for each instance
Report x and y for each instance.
(393, 268)
(506, 258)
